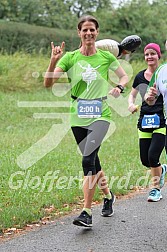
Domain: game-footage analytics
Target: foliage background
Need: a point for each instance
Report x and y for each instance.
(31, 25)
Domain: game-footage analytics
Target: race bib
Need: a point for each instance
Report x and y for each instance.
(150, 121)
(89, 108)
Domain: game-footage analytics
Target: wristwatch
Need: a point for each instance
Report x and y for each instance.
(121, 88)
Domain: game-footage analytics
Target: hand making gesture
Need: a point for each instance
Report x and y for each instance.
(57, 51)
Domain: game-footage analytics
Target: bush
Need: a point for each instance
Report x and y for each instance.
(30, 38)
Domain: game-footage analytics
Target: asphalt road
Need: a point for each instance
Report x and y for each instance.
(137, 225)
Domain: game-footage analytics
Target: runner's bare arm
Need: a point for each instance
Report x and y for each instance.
(53, 73)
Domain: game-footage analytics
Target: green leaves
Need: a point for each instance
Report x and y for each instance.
(117, 19)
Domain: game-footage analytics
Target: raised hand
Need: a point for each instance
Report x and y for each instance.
(151, 96)
(152, 93)
(57, 51)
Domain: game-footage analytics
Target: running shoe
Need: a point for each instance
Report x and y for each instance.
(154, 195)
(107, 209)
(84, 219)
(162, 178)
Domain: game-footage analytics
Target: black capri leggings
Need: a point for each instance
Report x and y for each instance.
(151, 149)
(89, 139)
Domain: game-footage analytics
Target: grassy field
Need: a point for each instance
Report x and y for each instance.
(38, 177)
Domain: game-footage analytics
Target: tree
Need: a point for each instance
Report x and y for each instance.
(117, 18)
(81, 7)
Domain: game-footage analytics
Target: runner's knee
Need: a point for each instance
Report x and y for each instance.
(88, 165)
